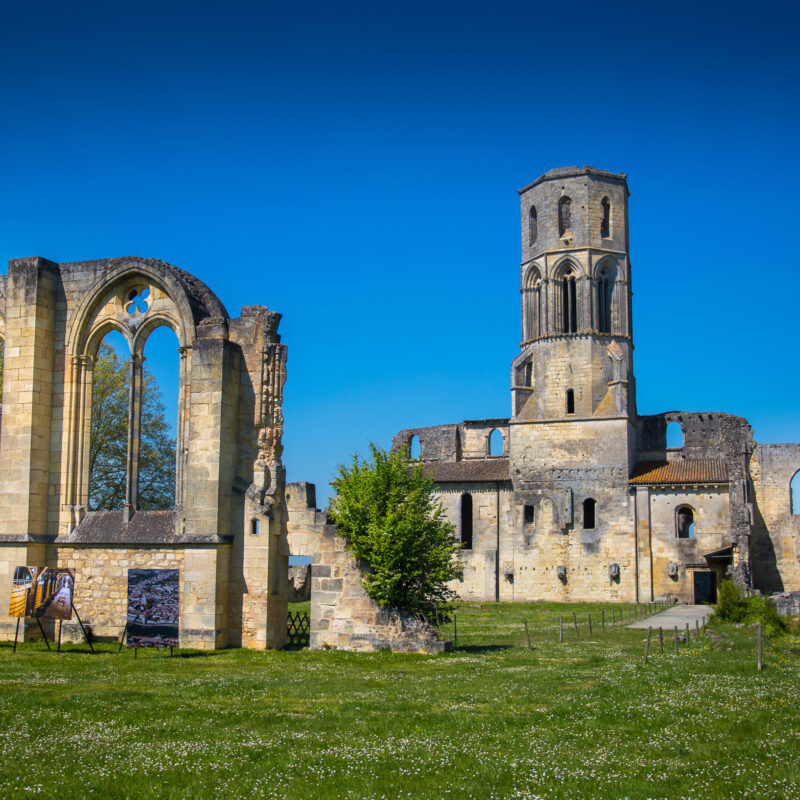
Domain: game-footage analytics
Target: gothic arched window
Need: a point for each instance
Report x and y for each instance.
(569, 303)
(533, 226)
(533, 305)
(564, 215)
(605, 223)
(604, 290)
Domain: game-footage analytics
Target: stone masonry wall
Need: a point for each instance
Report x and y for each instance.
(776, 531)
(344, 617)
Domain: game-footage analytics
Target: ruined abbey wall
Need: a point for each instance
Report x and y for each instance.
(227, 531)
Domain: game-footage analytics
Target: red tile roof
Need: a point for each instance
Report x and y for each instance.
(650, 473)
(471, 470)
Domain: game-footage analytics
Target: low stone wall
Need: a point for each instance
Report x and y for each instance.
(788, 603)
(344, 617)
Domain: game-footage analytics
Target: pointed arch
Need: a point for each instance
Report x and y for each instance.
(606, 278)
(133, 297)
(567, 297)
(532, 299)
(606, 293)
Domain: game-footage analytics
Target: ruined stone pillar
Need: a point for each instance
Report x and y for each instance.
(134, 436)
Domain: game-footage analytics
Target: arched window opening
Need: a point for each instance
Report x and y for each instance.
(794, 489)
(570, 401)
(674, 435)
(466, 521)
(414, 450)
(533, 226)
(564, 215)
(605, 223)
(159, 421)
(604, 289)
(533, 305)
(685, 523)
(569, 306)
(589, 513)
(496, 443)
(108, 445)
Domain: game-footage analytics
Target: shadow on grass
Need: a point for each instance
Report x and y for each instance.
(199, 654)
(482, 648)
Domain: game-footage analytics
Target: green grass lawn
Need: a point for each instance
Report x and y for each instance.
(582, 719)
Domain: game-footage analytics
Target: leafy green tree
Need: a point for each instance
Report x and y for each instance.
(392, 522)
(731, 602)
(109, 441)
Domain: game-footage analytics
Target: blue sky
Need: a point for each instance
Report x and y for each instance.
(354, 166)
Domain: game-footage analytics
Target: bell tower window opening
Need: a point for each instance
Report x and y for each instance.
(414, 449)
(533, 226)
(466, 521)
(605, 223)
(564, 215)
(569, 310)
(589, 513)
(528, 515)
(532, 309)
(685, 522)
(527, 374)
(604, 303)
(570, 401)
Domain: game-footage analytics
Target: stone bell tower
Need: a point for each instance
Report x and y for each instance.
(573, 396)
(576, 301)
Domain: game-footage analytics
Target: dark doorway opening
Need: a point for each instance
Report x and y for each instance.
(705, 587)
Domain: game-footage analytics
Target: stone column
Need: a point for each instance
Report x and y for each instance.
(134, 436)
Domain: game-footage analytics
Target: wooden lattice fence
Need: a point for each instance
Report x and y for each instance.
(298, 630)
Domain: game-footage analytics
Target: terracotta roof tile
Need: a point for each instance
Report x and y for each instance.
(651, 473)
(469, 471)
